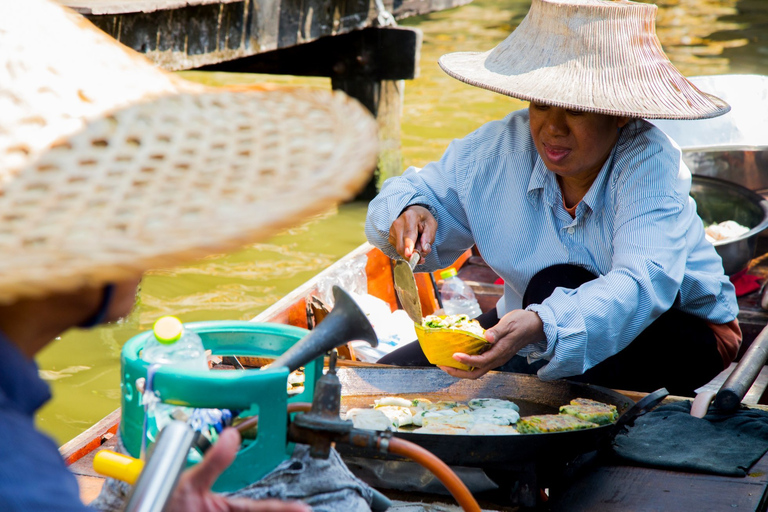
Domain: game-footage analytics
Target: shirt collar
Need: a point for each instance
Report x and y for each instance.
(537, 184)
(543, 184)
(20, 383)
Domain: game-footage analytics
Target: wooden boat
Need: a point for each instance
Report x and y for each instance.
(303, 308)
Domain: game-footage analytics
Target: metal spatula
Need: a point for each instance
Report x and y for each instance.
(405, 287)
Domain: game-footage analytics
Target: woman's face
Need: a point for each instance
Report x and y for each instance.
(573, 144)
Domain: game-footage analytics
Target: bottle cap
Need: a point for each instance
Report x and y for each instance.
(168, 329)
(445, 274)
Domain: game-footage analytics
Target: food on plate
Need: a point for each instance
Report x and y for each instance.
(392, 400)
(724, 231)
(454, 322)
(442, 336)
(398, 416)
(591, 410)
(492, 403)
(487, 429)
(442, 429)
(369, 419)
(477, 417)
(481, 417)
(551, 423)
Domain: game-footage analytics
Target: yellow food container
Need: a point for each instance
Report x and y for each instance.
(440, 344)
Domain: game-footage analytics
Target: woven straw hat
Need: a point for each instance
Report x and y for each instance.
(109, 166)
(591, 55)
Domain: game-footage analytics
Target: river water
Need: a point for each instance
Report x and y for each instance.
(701, 37)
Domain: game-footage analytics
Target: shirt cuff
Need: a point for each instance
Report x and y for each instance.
(545, 349)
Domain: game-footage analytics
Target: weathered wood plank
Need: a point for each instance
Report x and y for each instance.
(132, 6)
(371, 54)
(622, 488)
(188, 34)
(92, 438)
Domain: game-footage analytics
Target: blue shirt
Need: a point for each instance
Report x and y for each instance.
(636, 228)
(33, 476)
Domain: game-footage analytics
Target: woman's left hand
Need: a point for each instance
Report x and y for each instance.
(514, 331)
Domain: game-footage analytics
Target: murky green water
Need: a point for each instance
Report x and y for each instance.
(702, 37)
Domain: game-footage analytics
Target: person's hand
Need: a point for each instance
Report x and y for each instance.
(514, 331)
(193, 494)
(413, 230)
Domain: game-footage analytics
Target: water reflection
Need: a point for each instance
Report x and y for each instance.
(700, 36)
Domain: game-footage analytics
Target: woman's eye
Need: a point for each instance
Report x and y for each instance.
(575, 113)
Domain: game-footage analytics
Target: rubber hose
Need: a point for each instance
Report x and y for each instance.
(254, 420)
(439, 468)
(423, 457)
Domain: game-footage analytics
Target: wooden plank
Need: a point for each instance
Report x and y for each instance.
(371, 54)
(189, 34)
(133, 6)
(187, 37)
(91, 438)
(90, 487)
(622, 488)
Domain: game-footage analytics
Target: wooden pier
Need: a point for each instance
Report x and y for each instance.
(356, 43)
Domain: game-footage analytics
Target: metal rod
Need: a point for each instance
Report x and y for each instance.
(743, 376)
(161, 473)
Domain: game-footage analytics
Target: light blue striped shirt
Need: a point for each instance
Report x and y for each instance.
(636, 228)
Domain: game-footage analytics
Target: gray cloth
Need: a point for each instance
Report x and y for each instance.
(670, 438)
(325, 485)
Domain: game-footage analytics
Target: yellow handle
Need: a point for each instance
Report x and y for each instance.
(118, 466)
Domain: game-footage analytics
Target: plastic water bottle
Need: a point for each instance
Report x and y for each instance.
(175, 346)
(458, 297)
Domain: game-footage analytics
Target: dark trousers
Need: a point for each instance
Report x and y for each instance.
(677, 351)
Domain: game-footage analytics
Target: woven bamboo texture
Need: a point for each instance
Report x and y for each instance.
(109, 166)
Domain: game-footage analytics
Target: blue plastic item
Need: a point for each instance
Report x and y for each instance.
(260, 391)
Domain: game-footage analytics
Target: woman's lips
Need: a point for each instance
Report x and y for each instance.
(556, 153)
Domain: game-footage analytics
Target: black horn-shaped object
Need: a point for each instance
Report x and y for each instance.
(346, 322)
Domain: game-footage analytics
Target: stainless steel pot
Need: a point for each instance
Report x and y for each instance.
(732, 147)
(720, 200)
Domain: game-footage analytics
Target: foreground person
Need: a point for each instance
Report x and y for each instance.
(579, 204)
(109, 167)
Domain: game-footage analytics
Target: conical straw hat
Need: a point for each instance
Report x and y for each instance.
(590, 55)
(109, 166)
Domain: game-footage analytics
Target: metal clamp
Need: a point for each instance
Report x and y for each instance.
(385, 18)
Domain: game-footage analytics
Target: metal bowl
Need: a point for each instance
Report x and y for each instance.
(719, 200)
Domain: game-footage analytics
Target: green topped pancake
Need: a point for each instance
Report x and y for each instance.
(551, 423)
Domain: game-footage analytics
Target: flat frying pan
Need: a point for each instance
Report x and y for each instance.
(361, 386)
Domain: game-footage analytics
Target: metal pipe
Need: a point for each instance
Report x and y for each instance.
(743, 376)
(161, 473)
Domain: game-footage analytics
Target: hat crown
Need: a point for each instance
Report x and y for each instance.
(593, 55)
(110, 166)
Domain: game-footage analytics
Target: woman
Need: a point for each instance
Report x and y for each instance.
(579, 204)
(110, 167)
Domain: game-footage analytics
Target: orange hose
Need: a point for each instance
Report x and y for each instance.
(254, 420)
(299, 407)
(439, 468)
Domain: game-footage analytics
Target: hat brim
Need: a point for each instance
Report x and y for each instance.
(177, 178)
(661, 100)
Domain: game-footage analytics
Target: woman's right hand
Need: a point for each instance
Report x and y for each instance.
(414, 229)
